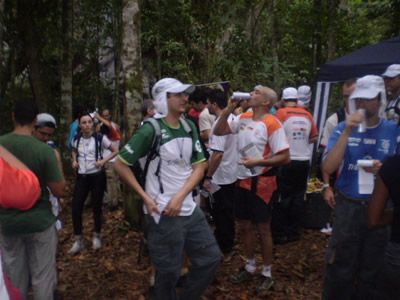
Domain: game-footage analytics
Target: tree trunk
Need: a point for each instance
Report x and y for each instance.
(66, 72)
(332, 14)
(132, 63)
(117, 42)
(317, 40)
(28, 31)
(253, 32)
(132, 72)
(274, 43)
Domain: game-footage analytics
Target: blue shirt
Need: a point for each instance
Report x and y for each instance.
(73, 130)
(377, 143)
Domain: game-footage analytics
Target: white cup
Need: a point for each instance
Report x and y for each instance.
(362, 127)
(240, 96)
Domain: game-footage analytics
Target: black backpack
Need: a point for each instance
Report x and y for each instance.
(98, 138)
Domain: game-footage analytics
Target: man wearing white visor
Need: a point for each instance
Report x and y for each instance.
(355, 253)
(392, 83)
(304, 96)
(173, 222)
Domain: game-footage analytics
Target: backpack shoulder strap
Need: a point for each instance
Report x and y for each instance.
(154, 150)
(98, 139)
(186, 125)
(155, 146)
(341, 114)
(155, 124)
(77, 138)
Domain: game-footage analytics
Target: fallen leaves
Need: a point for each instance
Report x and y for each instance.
(113, 272)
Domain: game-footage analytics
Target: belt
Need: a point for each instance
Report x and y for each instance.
(352, 200)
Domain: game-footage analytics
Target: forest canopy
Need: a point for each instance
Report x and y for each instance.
(108, 53)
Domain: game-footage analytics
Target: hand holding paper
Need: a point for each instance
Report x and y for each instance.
(366, 170)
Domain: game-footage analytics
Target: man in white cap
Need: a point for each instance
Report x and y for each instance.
(28, 238)
(173, 222)
(304, 96)
(392, 82)
(355, 253)
(44, 129)
(301, 131)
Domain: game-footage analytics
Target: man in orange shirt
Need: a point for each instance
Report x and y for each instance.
(262, 145)
(301, 131)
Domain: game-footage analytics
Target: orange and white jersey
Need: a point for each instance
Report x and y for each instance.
(258, 139)
(300, 127)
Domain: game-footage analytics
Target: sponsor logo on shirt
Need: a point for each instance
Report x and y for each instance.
(165, 134)
(128, 149)
(352, 167)
(197, 146)
(353, 141)
(369, 141)
(385, 145)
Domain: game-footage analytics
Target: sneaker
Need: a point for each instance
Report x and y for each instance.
(265, 286)
(96, 241)
(76, 247)
(242, 276)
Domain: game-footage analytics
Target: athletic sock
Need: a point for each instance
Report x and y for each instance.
(250, 265)
(266, 271)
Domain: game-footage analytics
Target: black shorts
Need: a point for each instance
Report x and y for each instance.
(249, 206)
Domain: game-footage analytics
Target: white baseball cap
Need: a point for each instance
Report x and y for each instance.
(368, 87)
(392, 71)
(45, 120)
(289, 93)
(304, 94)
(164, 86)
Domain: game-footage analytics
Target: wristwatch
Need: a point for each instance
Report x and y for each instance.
(325, 186)
(208, 177)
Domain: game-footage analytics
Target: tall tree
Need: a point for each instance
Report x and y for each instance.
(274, 42)
(131, 62)
(66, 72)
(331, 32)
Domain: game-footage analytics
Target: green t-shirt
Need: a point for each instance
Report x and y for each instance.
(41, 160)
(179, 150)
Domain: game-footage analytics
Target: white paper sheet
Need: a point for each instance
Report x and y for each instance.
(365, 179)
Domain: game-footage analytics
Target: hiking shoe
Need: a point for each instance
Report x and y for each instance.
(76, 247)
(96, 241)
(265, 286)
(242, 276)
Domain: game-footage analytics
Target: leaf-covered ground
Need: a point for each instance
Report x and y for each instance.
(115, 272)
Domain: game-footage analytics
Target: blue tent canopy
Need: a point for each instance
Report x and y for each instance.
(369, 60)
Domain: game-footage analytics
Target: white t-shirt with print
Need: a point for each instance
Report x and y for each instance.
(226, 172)
(87, 153)
(259, 140)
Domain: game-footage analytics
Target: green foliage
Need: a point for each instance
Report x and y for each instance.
(196, 41)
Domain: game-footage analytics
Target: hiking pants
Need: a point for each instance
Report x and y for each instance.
(354, 253)
(85, 183)
(31, 258)
(289, 209)
(222, 210)
(169, 240)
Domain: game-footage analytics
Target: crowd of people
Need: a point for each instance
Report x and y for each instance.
(246, 160)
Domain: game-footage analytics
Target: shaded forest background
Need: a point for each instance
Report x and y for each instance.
(108, 53)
